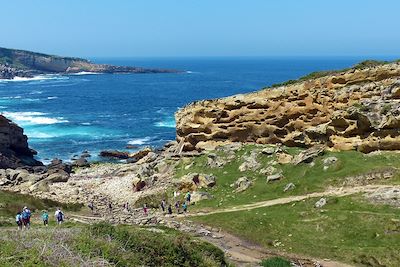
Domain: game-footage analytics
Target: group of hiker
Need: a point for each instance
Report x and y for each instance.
(23, 218)
(185, 204)
(180, 206)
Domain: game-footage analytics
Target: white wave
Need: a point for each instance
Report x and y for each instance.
(35, 78)
(166, 123)
(86, 123)
(33, 118)
(52, 97)
(36, 92)
(139, 141)
(84, 73)
(11, 97)
(40, 135)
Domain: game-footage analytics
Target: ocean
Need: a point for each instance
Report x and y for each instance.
(64, 115)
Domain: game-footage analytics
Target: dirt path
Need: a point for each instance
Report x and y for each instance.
(241, 252)
(279, 201)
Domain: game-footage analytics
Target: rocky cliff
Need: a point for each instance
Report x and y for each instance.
(358, 108)
(27, 64)
(14, 149)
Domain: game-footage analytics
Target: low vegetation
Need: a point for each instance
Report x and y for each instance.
(11, 202)
(307, 178)
(319, 74)
(105, 245)
(347, 229)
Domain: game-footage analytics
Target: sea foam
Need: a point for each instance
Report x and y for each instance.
(31, 118)
(139, 141)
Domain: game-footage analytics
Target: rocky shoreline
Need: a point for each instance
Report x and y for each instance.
(354, 109)
(26, 64)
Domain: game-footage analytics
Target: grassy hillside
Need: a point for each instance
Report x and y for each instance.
(307, 178)
(104, 245)
(350, 229)
(11, 203)
(347, 229)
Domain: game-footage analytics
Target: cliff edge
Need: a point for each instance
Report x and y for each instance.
(21, 63)
(357, 108)
(14, 149)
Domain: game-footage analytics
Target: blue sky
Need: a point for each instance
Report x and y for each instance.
(94, 28)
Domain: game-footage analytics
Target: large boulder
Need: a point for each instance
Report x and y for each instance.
(114, 154)
(308, 155)
(57, 165)
(199, 196)
(81, 162)
(250, 162)
(14, 149)
(194, 181)
(241, 184)
(140, 154)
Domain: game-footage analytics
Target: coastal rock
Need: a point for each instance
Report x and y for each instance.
(114, 154)
(309, 154)
(57, 165)
(289, 187)
(320, 203)
(215, 161)
(194, 181)
(283, 158)
(14, 149)
(199, 196)
(140, 154)
(81, 162)
(274, 177)
(269, 150)
(351, 109)
(241, 184)
(250, 162)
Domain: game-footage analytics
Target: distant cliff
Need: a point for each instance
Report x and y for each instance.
(357, 108)
(27, 64)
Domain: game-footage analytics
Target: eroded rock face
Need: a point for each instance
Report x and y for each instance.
(14, 149)
(354, 109)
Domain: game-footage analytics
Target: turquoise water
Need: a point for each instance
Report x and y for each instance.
(65, 115)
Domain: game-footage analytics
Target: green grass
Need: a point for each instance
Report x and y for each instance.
(275, 262)
(319, 74)
(348, 229)
(306, 178)
(11, 203)
(105, 245)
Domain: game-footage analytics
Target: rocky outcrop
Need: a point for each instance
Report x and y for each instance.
(353, 109)
(14, 149)
(23, 63)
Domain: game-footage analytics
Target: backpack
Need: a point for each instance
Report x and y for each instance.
(25, 214)
(60, 216)
(18, 218)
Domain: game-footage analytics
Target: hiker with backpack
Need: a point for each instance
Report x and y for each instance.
(59, 215)
(45, 218)
(184, 206)
(163, 203)
(26, 217)
(145, 209)
(188, 197)
(91, 206)
(18, 220)
(178, 206)
(169, 209)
